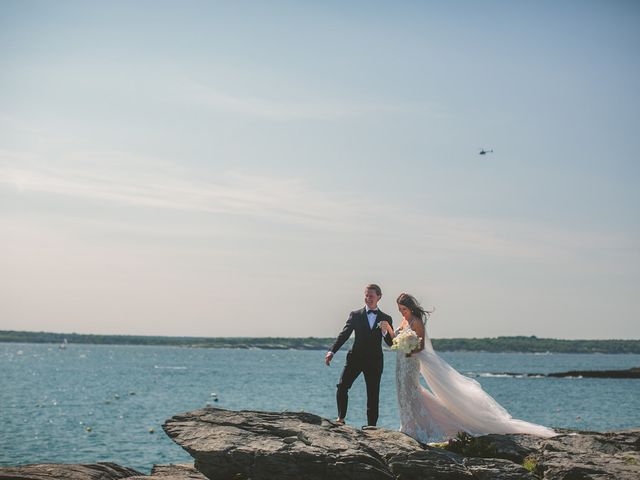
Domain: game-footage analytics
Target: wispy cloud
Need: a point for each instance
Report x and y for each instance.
(319, 108)
(126, 179)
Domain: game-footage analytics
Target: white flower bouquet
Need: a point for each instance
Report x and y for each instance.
(406, 341)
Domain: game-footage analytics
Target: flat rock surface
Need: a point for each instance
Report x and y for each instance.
(284, 445)
(249, 445)
(172, 472)
(50, 471)
(264, 445)
(591, 455)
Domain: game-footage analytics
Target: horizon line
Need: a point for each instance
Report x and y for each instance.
(305, 337)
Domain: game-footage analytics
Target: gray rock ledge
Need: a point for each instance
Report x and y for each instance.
(98, 471)
(172, 472)
(50, 471)
(263, 445)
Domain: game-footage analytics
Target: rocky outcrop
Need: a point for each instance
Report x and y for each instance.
(249, 445)
(627, 373)
(172, 472)
(98, 471)
(285, 445)
(262, 445)
(51, 471)
(590, 455)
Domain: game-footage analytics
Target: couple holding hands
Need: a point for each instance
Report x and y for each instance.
(452, 403)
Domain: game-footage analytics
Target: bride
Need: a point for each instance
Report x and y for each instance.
(453, 403)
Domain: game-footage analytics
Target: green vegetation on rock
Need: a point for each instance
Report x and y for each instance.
(469, 446)
(530, 464)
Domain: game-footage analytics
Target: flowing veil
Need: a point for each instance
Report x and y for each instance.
(458, 403)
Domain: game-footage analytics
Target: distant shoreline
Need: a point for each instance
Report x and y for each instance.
(519, 344)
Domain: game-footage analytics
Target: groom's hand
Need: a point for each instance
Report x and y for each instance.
(327, 358)
(385, 327)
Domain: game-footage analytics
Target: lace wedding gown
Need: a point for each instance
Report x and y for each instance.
(452, 404)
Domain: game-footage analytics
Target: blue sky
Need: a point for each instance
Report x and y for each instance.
(245, 168)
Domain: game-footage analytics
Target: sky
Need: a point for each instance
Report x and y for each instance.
(234, 168)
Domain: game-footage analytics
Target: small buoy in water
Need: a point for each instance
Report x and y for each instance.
(215, 399)
(578, 417)
(132, 393)
(116, 396)
(88, 429)
(151, 430)
(214, 394)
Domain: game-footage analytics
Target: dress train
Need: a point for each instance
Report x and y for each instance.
(453, 402)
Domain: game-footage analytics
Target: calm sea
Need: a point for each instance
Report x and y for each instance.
(91, 403)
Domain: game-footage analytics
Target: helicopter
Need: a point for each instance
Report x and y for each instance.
(484, 152)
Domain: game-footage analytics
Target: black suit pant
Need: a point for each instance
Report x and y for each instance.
(372, 374)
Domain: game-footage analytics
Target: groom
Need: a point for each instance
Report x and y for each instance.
(365, 356)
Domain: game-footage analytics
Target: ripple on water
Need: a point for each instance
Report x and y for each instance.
(50, 397)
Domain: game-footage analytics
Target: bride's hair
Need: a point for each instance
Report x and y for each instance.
(413, 305)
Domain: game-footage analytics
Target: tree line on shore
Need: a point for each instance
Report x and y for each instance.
(522, 344)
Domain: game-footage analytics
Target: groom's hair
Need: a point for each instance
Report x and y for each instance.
(373, 286)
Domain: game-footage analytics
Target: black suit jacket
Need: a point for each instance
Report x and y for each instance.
(368, 341)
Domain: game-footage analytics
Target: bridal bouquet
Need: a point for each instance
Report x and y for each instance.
(406, 341)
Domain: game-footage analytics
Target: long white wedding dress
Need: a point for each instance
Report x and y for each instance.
(453, 402)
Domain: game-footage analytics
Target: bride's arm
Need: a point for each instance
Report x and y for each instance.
(419, 329)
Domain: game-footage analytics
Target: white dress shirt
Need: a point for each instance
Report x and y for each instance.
(372, 318)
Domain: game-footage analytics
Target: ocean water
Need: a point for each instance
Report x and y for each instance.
(90, 403)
